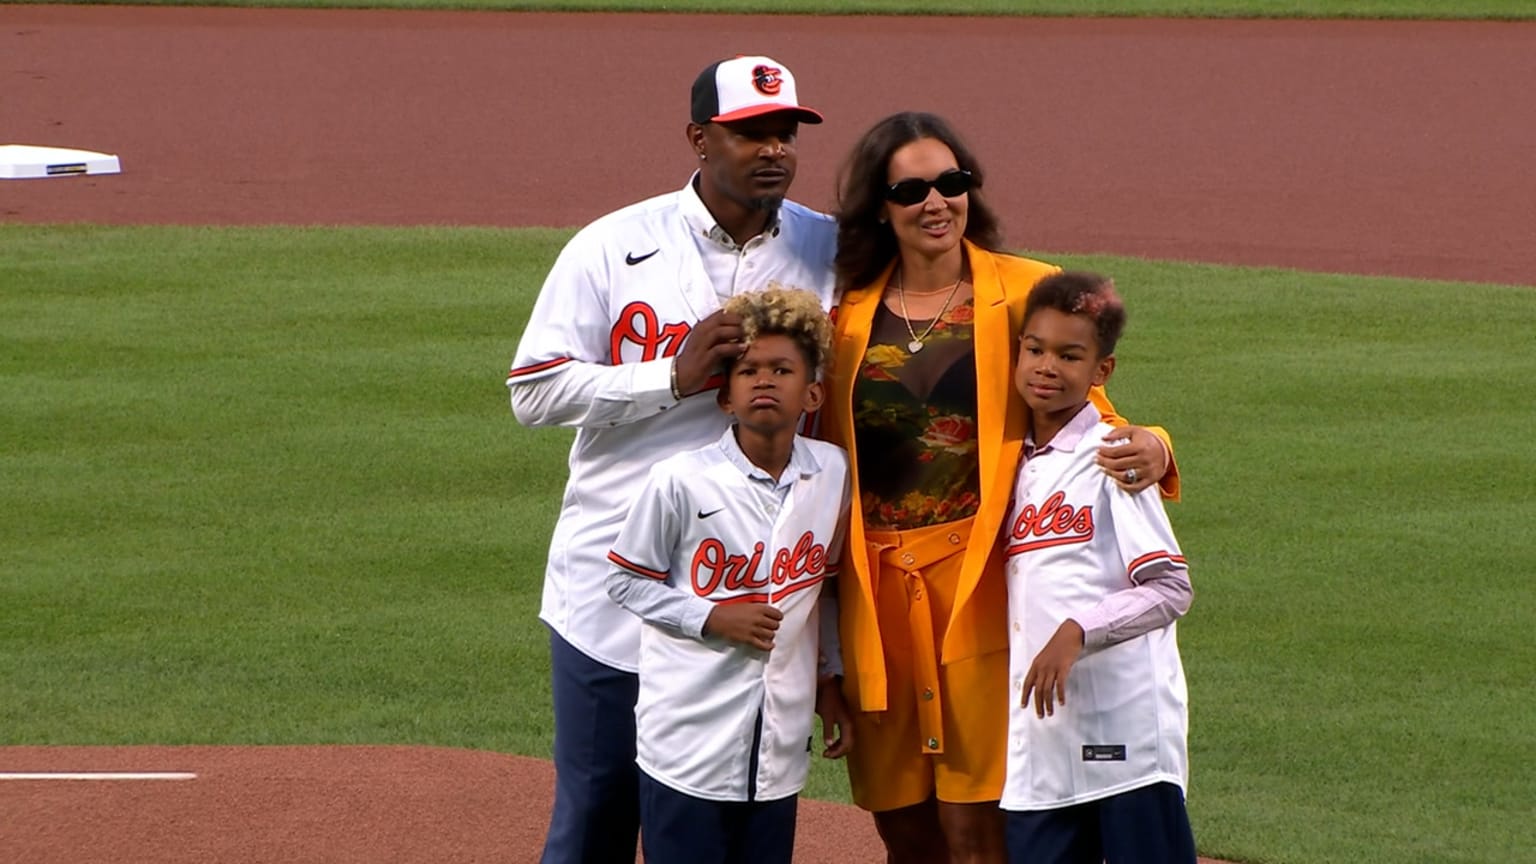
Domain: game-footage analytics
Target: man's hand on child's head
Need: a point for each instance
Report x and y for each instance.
(750, 624)
(711, 342)
(1047, 676)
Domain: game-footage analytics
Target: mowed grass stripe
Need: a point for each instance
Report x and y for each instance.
(262, 486)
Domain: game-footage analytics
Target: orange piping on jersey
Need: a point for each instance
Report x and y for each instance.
(1021, 548)
(759, 597)
(1153, 556)
(538, 367)
(796, 586)
(636, 568)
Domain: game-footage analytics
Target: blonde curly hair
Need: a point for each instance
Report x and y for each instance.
(791, 312)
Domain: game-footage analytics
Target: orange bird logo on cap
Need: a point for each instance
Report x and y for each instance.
(766, 79)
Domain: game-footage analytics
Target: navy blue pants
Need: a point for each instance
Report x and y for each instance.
(677, 828)
(596, 814)
(1143, 826)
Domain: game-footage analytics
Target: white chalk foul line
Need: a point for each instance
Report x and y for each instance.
(97, 775)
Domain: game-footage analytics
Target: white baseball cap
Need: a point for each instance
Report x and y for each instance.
(747, 86)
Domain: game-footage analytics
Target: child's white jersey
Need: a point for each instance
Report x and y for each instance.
(1075, 538)
(718, 720)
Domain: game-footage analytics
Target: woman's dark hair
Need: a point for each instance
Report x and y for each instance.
(865, 244)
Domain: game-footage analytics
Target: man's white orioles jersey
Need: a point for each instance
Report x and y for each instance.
(1075, 539)
(718, 720)
(615, 308)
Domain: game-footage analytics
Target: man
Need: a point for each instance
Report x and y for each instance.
(627, 332)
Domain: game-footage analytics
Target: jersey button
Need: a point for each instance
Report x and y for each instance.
(907, 559)
(927, 694)
(933, 743)
(954, 538)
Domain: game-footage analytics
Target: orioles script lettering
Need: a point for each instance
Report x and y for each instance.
(638, 325)
(714, 568)
(1053, 523)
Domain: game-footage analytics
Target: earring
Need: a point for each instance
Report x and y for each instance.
(702, 156)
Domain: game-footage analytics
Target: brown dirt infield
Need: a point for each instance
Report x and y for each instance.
(1395, 148)
(1365, 147)
(337, 805)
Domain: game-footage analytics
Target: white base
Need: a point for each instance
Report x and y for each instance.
(20, 161)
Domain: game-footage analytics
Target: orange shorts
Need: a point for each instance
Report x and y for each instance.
(945, 731)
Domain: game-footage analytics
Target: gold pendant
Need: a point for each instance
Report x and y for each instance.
(914, 346)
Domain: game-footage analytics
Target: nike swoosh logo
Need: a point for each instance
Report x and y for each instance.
(703, 515)
(632, 259)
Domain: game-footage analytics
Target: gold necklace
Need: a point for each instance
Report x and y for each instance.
(916, 344)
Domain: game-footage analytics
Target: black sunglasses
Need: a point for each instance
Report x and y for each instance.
(951, 184)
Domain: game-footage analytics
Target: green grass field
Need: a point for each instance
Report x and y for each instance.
(1443, 9)
(262, 486)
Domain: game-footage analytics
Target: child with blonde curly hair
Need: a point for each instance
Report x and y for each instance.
(724, 556)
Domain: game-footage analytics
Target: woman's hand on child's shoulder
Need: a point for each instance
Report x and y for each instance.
(1134, 458)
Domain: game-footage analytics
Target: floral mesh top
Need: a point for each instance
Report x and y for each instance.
(914, 417)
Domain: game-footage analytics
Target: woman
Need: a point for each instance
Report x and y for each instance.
(922, 398)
